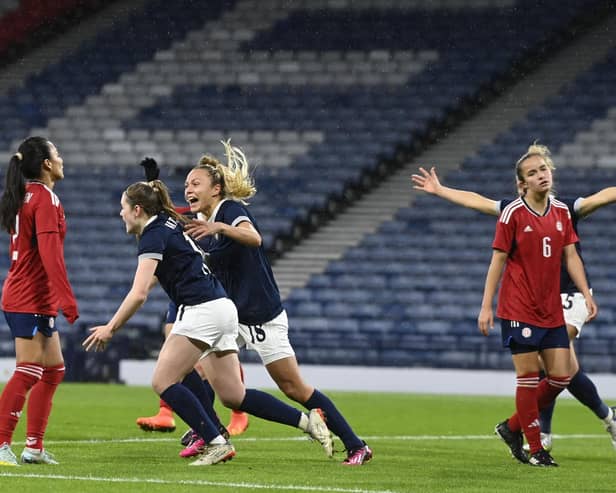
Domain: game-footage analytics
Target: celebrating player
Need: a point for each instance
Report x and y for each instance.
(205, 328)
(229, 233)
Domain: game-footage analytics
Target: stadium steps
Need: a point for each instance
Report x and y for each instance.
(330, 242)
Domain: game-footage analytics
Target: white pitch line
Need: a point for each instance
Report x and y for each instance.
(255, 486)
(251, 486)
(95, 441)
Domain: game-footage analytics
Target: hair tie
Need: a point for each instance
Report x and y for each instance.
(18, 155)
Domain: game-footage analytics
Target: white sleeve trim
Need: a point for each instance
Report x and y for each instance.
(155, 256)
(577, 204)
(240, 219)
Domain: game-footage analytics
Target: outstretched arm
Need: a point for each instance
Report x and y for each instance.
(428, 182)
(142, 284)
(590, 204)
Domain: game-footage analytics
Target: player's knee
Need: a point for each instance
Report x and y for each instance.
(232, 398)
(159, 385)
(231, 402)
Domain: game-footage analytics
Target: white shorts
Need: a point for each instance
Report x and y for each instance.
(213, 322)
(574, 308)
(270, 340)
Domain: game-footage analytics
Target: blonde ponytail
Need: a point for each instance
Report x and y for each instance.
(235, 179)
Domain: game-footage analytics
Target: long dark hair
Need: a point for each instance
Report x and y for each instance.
(24, 165)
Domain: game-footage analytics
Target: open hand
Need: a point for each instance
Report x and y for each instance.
(426, 181)
(98, 338)
(200, 229)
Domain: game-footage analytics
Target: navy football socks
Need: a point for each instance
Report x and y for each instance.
(334, 420)
(186, 405)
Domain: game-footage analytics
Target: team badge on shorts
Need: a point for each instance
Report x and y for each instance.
(52, 322)
(527, 332)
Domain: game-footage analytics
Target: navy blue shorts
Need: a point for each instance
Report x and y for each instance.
(28, 324)
(521, 337)
(172, 313)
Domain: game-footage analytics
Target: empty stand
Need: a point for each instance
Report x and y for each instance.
(317, 94)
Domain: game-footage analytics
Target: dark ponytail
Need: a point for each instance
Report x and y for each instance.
(24, 165)
(153, 197)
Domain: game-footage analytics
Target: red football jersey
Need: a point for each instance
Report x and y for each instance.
(37, 280)
(530, 287)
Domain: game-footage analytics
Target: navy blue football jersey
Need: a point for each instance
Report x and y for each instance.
(566, 283)
(180, 271)
(244, 271)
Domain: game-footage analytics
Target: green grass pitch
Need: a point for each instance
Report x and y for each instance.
(421, 443)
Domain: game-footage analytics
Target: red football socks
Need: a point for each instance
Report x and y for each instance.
(14, 397)
(39, 405)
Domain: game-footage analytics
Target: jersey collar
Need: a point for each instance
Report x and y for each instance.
(212, 217)
(532, 211)
(150, 221)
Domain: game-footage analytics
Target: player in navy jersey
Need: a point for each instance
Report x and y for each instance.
(534, 234)
(574, 306)
(35, 288)
(230, 234)
(164, 420)
(205, 328)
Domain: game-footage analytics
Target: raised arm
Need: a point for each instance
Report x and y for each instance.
(428, 182)
(590, 204)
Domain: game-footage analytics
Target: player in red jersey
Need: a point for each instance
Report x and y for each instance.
(574, 307)
(534, 234)
(35, 288)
